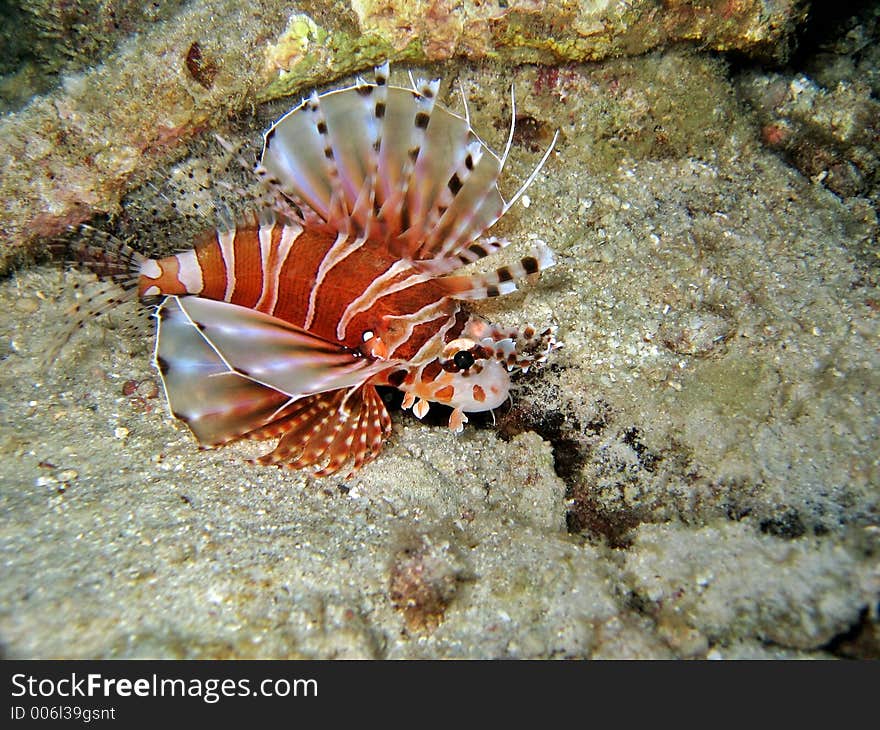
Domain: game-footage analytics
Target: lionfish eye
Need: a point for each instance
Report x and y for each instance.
(463, 359)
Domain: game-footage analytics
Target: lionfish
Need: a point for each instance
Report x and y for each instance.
(284, 324)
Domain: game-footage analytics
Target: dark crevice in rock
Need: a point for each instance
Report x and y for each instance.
(572, 444)
(859, 641)
(788, 525)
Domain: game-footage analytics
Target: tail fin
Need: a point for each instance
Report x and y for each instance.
(117, 266)
(105, 255)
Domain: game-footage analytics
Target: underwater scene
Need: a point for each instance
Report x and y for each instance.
(430, 330)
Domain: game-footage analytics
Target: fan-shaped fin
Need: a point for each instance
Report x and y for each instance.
(260, 347)
(389, 161)
(228, 370)
(475, 205)
(330, 430)
(324, 430)
(217, 404)
(427, 175)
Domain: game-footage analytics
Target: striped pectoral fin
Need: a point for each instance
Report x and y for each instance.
(329, 431)
(229, 371)
(264, 349)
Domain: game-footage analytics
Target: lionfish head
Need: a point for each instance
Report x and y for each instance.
(472, 373)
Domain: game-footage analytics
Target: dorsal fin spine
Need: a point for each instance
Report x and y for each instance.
(390, 161)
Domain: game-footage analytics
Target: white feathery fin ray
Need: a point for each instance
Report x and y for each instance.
(255, 346)
(293, 157)
(512, 130)
(377, 101)
(531, 178)
(395, 164)
(459, 163)
(477, 205)
(337, 209)
(419, 186)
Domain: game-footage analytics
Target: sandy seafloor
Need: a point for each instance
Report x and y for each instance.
(695, 476)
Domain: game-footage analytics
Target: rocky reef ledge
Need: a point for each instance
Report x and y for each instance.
(73, 152)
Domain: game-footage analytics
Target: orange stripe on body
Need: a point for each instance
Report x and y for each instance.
(279, 281)
(276, 245)
(296, 278)
(350, 279)
(343, 284)
(248, 281)
(431, 371)
(421, 333)
(213, 267)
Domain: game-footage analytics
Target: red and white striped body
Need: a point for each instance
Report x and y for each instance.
(368, 301)
(288, 272)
